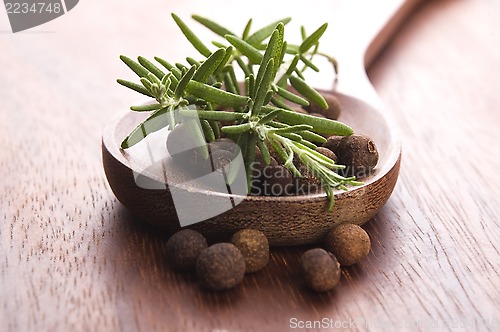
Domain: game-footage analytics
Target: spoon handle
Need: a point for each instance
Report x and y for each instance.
(363, 37)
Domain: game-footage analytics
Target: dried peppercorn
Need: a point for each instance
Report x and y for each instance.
(254, 247)
(270, 180)
(332, 143)
(226, 144)
(327, 153)
(349, 243)
(184, 247)
(359, 154)
(220, 266)
(333, 110)
(321, 269)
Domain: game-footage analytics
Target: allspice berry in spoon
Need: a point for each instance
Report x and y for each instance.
(358, 153)
(327, 153)
(349, 243)
(220, 266)
(332, 143)
(254, 247)
(333, 110)
(321, 269)
(184, 247)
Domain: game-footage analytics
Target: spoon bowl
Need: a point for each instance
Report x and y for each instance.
(286, 220)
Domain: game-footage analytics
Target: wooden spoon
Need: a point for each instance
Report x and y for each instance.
(286, 220)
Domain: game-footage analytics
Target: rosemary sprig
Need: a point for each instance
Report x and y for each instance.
(261, 116)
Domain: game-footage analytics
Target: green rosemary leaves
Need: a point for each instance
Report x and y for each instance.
(256, 111)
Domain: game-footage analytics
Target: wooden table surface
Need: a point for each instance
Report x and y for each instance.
(72, 258)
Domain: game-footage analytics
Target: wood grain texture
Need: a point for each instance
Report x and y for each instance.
(71, 257)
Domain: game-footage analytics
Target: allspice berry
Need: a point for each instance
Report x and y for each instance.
(333, 110)
(271, 180)
(332, 143)
(327, 153)
(184, 247)
(220, 266)
(254, 247)
(358, 153)
(223, 144)
(321, 269)
(349, 243)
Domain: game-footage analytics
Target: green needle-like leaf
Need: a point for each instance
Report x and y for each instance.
(182, 67)
(134, 86)
(193, 39)
(263, 87)
(246, 69)
(264, 151)
(250, 155)
(215, 128)
(269, 117)
(278, 103)
(218, 44)
(155, 122)
(306, 134)
(245, 48)
(308, 63)
(196, 131)
(312, 39)
(303, 32)
(292, 136)
(251, 85)
(209, 66)
(146, 108)
(148, 85)
(136, 67)
(312, 136)
(320, 125)
(269, 54)
(291, 96)
(215, 95)
(246, 31)
(179, 91)
(208, 132)
(309, 93)
(299, 73)
(151, 67)
(222, 64)
(153, 79)
(269, 96)
(174, 70)
(192, 61)
(278, 52)
(284, 157)
(214, 115)
(260, 35)
(218, 29)
(292, 129)
(236, 129)
(234, 81)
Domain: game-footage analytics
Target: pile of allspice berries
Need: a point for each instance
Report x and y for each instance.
(223, 265)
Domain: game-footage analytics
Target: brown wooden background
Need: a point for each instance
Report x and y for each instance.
(71, 257)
